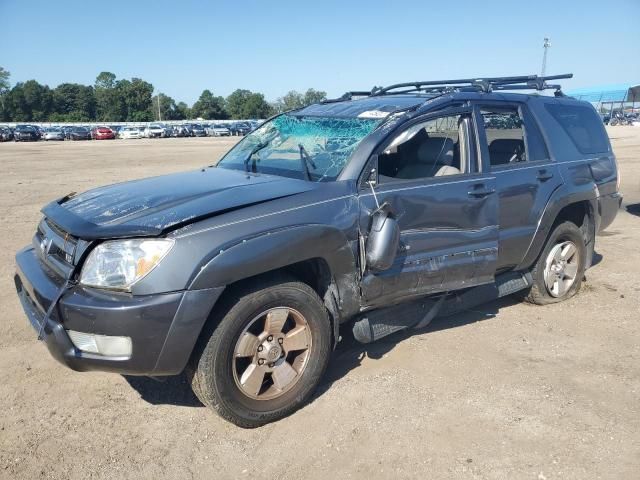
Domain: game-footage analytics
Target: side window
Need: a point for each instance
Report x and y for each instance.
(536, 147)
(505, 135)
(582, 125)
(425, 150)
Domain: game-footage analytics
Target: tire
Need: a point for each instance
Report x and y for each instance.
(558, 242)
(217, 368)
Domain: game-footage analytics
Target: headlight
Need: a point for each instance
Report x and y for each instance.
(118, 264)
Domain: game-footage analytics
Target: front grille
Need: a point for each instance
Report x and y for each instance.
(55, 247)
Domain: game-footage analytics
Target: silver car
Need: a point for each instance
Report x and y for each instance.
(53, 133)
(218, 130)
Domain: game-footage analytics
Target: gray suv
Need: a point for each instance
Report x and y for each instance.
(377, 212)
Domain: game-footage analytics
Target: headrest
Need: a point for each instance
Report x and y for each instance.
(505, 145)
(438, 151)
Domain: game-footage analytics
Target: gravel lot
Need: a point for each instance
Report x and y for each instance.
(505, 391)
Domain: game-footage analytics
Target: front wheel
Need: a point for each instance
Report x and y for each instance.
(266, 355)
(558, 273)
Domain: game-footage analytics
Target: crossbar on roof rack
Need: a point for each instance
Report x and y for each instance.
(533, 82)
(523, 82)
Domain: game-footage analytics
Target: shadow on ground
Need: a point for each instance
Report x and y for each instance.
(165, 391)
(634, 209)
(350, 353)
(347, 357)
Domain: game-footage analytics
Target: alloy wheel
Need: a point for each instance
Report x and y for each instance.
(271, 353)
(561, 268)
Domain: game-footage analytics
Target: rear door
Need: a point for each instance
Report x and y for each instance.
(513, 150)
(445, 207)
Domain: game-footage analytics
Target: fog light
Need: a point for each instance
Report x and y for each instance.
(106, 345)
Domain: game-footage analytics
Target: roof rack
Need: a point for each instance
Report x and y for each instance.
(524, 82)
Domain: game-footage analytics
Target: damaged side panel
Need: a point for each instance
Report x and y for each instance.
(448, 239)
(240, 244)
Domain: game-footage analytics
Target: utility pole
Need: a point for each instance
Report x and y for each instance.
(159, 116)
(544, 56)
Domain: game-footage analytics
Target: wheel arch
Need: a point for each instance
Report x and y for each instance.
(318, 255)
(579, 208)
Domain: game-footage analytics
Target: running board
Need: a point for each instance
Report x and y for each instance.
(379, 323)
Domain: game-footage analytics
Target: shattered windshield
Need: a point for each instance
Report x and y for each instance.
(310, 148)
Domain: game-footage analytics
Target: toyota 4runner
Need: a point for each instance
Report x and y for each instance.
(383, 209)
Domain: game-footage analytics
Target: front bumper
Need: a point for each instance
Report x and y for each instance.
(163, 327)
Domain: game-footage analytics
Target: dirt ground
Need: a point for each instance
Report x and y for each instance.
(507, 391)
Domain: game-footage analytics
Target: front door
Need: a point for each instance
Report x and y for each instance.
(445, 207)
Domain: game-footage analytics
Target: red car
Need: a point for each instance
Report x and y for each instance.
(102, 133)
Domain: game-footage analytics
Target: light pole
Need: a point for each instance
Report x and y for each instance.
(159, 116)
(544, 56)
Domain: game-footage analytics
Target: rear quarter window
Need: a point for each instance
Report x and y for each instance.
(582, 125)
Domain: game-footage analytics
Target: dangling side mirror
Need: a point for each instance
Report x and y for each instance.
(372, 179)
(383, 240)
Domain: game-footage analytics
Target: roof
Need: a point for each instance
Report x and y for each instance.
(368, 107)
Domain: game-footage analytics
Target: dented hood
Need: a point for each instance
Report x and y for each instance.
(152, 206)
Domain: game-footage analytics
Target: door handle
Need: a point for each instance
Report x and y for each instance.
(544, 175)
(479, 190)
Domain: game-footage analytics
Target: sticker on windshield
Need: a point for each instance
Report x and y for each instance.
(373, 114)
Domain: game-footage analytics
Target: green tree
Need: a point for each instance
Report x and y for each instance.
(291, 101)
(29, 101)
(183, 111)
(294, 100)
(110, 106)
(74, 103)
(136, 97)
(4, 89)
(105, 80)
(236, 102)
(168, 108)
(312, 96)
(246, 104)
(209, 107)
(4, 80)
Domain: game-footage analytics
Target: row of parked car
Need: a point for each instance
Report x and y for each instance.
(30, 133)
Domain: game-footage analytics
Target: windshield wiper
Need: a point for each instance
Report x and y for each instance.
(306, 160)
(255, 150)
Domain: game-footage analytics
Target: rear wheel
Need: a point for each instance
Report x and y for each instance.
(558, 273)
(266, 355)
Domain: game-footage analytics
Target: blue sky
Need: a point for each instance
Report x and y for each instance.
(185, 46)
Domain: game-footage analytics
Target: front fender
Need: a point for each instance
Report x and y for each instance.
(277, 249)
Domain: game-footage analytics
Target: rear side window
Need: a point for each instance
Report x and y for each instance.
(536, 148)
(582, 125)
(505, 135)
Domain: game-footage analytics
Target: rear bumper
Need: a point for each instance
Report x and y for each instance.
(608, 206)
(163, 328)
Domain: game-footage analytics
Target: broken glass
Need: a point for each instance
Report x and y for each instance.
(313, 148)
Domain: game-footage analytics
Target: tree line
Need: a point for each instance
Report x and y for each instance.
(111, 99)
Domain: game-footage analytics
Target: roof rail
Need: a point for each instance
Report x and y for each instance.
(524, 82)
(349, 96)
